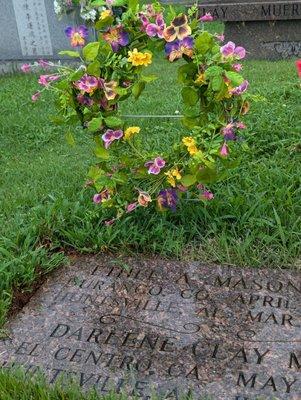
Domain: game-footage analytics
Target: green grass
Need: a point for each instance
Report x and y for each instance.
(253, 221)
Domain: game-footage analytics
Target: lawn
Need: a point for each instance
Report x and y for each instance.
(254, 219)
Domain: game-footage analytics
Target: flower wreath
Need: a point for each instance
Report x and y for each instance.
(111, 70)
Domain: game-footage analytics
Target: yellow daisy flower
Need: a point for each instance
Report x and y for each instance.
(105, 14)
(130, 132)
(138, 58)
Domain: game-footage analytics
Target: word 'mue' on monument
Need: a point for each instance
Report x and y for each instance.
(165, 328)
(268, 29)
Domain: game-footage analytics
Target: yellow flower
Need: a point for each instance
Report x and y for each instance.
(130, 132)
(192, 150)
(200, 79)
(105, 14)
(188, 141)
(137, 58)
(172, 176)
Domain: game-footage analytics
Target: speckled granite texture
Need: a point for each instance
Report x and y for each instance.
(161, 327)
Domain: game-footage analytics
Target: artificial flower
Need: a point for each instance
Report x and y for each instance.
(130, 132)
(101, 197)
(87, 83)
(110, 135)
(35, 96)
(230, 50)
(237, 67)
(206, 18)
(138, 58)
(84, 100)
(207, 195)
(178, 29)
(105, 14)
(109, 88)
(131, 207)
(175, 50)
(143, 199)
(190, 143)
(167, 198)
(155, 166)
(172, 176)
(155, 29)
(44, 80)
(117, 37)
(240, 89)
(77, 35)
(224, 152)
(26, 68)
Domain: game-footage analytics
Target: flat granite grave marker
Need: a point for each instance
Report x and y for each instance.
(268, 29)
(172, 329)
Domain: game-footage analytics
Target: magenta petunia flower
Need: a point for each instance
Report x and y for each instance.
(207, 195)
(77, 35)
(237, 67)
(87, 83)
(167, 198)
(206, 18)
(157, 28)
(44, 80)
(43, 63)
(26, 68)
(154, 167)
(117, 37)
(175, 50)
(224, 152)
(240, 89)
(230, 50)
(35, 96)
(110, 135)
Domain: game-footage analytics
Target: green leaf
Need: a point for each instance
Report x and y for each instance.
(148, 78)
(98, 3)
(138, 88)
(95, 124)
(102, 23)
(204, 42)
(207, 175)
(187, 72)
(188, 180)
(69, 53)
(76, 75)
(190, 96)
(94, 68)
(102, 153)
(95, 172)
(189, 122)
(70, 139)
(90, 51)
(113, 122)
(235, 78)
(133, 4)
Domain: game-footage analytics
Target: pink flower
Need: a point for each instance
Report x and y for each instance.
(110, 222)
(154, 167)
(207, 195)
(26, 68)
(144, 198)
(43, 63)
(230, 50)
(206, 18)
(110, 135)
(221, 37)
(224, 152)
(298, 65)
(35, 96)
(155, 29)
(131, 207)
(101, 197)
(87, 83)
(237, 67)
(44, 80)
(242, 88)
(240, 125)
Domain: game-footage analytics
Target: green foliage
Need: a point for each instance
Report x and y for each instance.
(90, 51)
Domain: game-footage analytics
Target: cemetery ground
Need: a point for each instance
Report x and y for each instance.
(46, 214)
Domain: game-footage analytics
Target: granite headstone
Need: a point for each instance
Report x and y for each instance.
(30, 30)
(172, 329)
(268, 29)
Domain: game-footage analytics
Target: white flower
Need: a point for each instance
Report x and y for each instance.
(57, 7)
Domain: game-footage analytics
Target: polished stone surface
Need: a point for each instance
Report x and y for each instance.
(155, 326)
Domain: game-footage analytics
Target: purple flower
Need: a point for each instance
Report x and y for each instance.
(87, 83)
(207, 195)
(43, 63)
(224, 152)
(221, 37)
(131, 207)
(116, 37)
(35, 96)
(154, 167)
(206, 18)
(237, 67)
(167, 198)
(84, 100)
(44, 80)
(26, 68)
(102, 196)
(155, 29)
(109, 136)
(77, 35)
(230, 50)
(175, 50)
(229, 132)
(240, 89)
